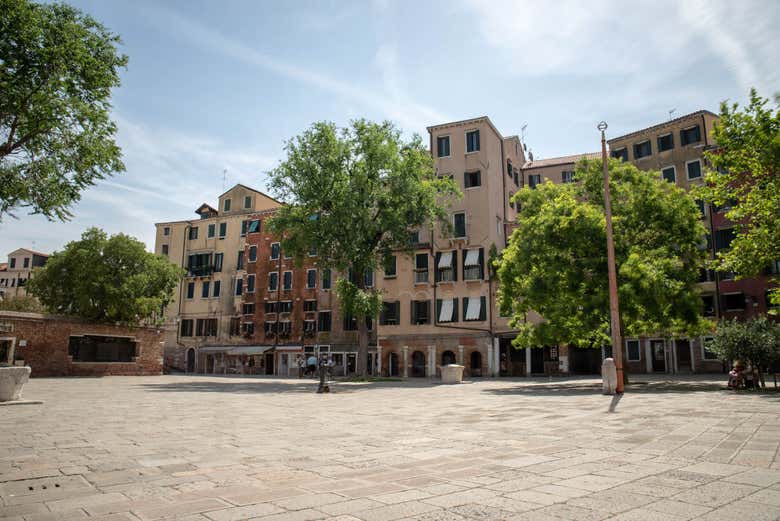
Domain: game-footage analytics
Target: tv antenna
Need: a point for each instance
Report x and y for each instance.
(671, 111)
(224, 178)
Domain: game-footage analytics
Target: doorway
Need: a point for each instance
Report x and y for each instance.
(418, 364)
(351, 363)
(190, 360)
(269, 363)
(209, 364)
(393, 365)
(284, 365)
(537, 360)
(447, 358)
(683, 355)
(658, 352)
(476, 363)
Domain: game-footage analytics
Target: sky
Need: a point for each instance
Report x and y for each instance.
(213, 89)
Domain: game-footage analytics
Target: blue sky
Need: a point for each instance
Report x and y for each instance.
(214, 86)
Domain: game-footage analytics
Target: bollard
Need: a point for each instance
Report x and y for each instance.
(609, 375)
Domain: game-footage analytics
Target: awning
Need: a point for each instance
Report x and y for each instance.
(473, 309)
(215, 349)
(472, 258)
(445, 315)
(289, 348)
(249, 350)
(445, 261)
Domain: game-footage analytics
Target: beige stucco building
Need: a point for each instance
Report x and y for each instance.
(18, 271)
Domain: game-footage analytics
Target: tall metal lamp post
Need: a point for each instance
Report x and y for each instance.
(614, 306)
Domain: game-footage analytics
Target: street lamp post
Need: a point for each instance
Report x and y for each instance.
(614, 306)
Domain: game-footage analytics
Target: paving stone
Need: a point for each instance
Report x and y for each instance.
(391, 512)
(179, 509)
(240, 513)
(309, 501)
(349, 507)
(460, 498)
(744, 511)
(677, 508)
(715, 494)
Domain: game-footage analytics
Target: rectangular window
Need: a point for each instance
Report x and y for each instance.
(204, 292)
(311, 279)
(567, 176)
(252, 253)
(390, 267)
(275, 249)
(474, 264)
(472, 141)
(270, 328)
(254, 226)
(26, 262)
(248, 328)
(443, 146)
(472, 179)
(235, 326)
(199, 264)
(217, 288)
(326, 278)
(270, 307)
(694, 169)
(690, 135)
(368, 279)
(273, 281)
(633, 351)
(723, 238)
(193, 233)
(708, 305)
(420, 312)
(186, 327)
(166, 231)
(390, 314)
(414, 237)
(323, 321)
(702, 207)
(665, 142)
(447, 266)
(250, 284)
(248, 201)
(226, 205)
(350, 323)
(706, 354)
(206, 327)
(190, 290)
(222, 230)
(211, 230)
(165, 249)
(447, 310)
(248, 308)
(421, 268)
(312, 251)
(309, 327)
(285, 306)
(733, 301)
(13, 262)
(218, 258)
(243, 228)
(474, 308)
(239, 286)
(620, 153)
(459, 225)
(517, 176)
(309, 305)
(534, 179)
(287, 280)
(240, 264)
(669, 174)
(642, 149)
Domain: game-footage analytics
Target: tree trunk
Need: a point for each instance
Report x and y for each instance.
(362, 365)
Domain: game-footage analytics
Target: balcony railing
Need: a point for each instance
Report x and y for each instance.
(420, 276)
(471, 273)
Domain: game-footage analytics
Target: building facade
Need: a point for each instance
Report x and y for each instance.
(18, 271)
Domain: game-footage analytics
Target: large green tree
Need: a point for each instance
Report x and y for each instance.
(57, 69)
(106, 279)
(745, 175)
(355, 194)
(556, 260)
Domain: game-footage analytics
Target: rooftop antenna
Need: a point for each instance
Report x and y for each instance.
(224, 178)
(672, 111)
(522, 136)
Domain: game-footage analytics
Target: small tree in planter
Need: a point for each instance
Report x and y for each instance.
(756, 342)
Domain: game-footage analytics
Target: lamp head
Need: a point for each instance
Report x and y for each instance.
(602, 126)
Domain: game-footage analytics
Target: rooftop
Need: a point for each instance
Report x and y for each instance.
(664, 124)
(562, 160)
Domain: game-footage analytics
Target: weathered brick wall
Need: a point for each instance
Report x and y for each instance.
(47, 339)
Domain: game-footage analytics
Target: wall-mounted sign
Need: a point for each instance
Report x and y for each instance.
(22, 343)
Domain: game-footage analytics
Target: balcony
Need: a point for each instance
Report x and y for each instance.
(421, 276)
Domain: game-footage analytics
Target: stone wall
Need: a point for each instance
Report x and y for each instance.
(42, 342)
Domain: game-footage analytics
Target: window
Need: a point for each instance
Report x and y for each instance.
(567, 176)
(252, 253)
(199, 264)
(248, 308)
(669, 174)
(368, 279)
(273, 281)
(218, 258)
(723, 238)
(26, 262)
(222, 230)
(13, 262)
(270, 307)
(509, 168)
(250, 283)
(235, 326)
(620, 153)
(165, 249)
(323, 321)
(690, 135)
(186, 327)
(248, 201)
(414, 237)
(472, 179)
(443, 146)
(239, 286)
(243, 228)
(285, 327)
(474, 308)
(311, 279)
(193, 233)
(275, 249)
(665, 142)
(459, 225)
(472, 141)
(206, 327)
(190, 290)
(309, 327)
(217, 288)
(447, 266)
(270, 328)
(642, 149)
(287, 280)
(254, 226)
(166, 231)
(325, 278)
(248, 328)
(633, 351)
(390, 314)
(312, 251)
(706, 354)
(733, 301)
(702, 207)
(240, 264)
(694, 169)
(517, 176)
(708, 305)
(204, 292)
(226, 205)
(309, 305)
(211, 230)
(447, 310)
(350, 323)
(473, 264)
(390, 267)
(420, 312)
(534, 179)
(421, 268)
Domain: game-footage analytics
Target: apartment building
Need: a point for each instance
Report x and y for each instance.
(204, 319)
(18, 271)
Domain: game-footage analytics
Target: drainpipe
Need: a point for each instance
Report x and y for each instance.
(181, 286)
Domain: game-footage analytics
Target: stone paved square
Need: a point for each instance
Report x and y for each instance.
(232, 448)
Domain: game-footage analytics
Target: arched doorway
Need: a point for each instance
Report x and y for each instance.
(447, 358)
(476, 363)
(418, 364)
(190, 360)
(393, 365)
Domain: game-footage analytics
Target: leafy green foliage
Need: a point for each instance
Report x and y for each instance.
(106, 279)
(745, 173)
(355, 194)
(556, 260)
(57, 69)
(24, 303)
(755, 342)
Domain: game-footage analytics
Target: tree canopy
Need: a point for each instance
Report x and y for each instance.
(745, 175)
(355, 194)
(57, 69)
(556, 261)
(106, 279)
(755, 342)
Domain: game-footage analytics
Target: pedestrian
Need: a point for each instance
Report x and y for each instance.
(301, 365)
(311, 364)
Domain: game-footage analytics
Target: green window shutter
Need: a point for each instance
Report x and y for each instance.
(438, 310)
(482, 309)
(482, 263)
(455, 310)
(465, 307)
(412, 315)
(455, 270)
(436, 267)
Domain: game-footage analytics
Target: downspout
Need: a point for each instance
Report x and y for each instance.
(712, 231)
(181, 286)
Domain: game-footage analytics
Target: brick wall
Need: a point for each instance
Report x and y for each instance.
(47, 338)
